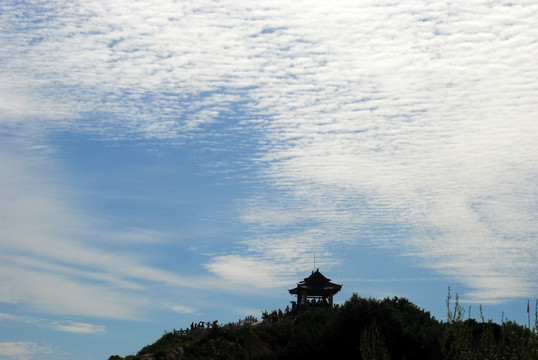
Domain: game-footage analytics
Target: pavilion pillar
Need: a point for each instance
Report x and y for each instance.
(331, 300)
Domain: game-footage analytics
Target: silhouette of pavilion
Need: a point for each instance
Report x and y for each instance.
(315, 288)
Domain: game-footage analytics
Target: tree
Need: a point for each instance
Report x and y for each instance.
(372, 344)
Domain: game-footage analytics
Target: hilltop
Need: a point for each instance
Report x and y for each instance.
(392, 328)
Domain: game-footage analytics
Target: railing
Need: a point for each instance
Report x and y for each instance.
(201, 327)
(248, 321)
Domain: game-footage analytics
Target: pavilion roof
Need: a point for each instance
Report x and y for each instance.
(316, 285)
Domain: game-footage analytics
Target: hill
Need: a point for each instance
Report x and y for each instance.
(392, 328)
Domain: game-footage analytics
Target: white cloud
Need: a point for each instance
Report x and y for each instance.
(182, 309)
(65, 326)
(420, 118)
(22, 350)
(49, 265)
(79, 328)
(420, 114)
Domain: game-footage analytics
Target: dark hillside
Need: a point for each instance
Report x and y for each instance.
(360, 329)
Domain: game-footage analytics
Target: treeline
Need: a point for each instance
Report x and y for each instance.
(361, 328)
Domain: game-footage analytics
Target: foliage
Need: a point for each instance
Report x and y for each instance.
(372, 344)
(166, 344)
(469, 340)
(361, 328)
(535, 330)
(409, 332)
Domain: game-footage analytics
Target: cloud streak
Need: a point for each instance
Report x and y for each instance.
(65, 326)
(50, 264)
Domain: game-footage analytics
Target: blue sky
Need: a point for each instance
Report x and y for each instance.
(163, 162)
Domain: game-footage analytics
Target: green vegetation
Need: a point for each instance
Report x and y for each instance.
(367, 329)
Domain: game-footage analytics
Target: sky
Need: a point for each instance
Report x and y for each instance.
(168, 162)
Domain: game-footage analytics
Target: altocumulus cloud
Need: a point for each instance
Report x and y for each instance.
(419, 115)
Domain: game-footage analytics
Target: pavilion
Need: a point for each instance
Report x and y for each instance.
(315, 289)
